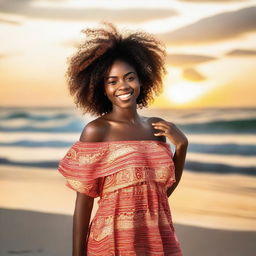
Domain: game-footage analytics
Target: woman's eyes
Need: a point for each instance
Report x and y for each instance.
(131, 78)
(112, 82)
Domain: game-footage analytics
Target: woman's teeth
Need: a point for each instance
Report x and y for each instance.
(125, 96)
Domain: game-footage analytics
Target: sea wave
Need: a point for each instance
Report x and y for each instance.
(221, 126)
(7, 137)
(189, 166)
(224, 149)
(211, 139)
(37, 144)
(69, 127)
(35, 117)
(220, 140)
(76, 125)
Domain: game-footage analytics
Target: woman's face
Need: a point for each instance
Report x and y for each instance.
(122, 85)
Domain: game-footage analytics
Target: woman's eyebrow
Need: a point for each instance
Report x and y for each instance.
(123, 76)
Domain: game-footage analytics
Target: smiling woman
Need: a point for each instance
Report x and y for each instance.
(89, 67)
(118, 157)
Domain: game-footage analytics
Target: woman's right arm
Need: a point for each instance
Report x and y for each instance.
(81, 220)
(93, 131)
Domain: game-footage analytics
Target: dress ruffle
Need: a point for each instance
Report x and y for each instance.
(87, 163)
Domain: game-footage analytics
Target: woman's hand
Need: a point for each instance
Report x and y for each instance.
(170, 130)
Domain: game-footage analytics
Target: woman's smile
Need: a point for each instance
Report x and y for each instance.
(125, 97)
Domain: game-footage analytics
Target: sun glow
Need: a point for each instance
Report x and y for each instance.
(184, 92)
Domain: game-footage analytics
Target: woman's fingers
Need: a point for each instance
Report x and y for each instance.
(162, 130)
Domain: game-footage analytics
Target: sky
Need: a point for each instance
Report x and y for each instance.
(211, 48)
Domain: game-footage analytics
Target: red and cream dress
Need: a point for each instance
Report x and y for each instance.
(131, 178)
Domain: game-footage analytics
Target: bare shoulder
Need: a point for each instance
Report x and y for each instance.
(94, 131)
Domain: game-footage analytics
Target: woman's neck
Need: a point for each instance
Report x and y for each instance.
(125, 115)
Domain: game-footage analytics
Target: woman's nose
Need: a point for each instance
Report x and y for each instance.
(123, 83)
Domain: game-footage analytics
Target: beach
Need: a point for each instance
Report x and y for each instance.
(213, 208)
(188, 65)
(213, 214)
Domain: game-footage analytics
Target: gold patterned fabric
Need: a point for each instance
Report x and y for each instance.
(131, 178)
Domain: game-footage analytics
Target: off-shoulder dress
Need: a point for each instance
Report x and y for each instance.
(131, 178)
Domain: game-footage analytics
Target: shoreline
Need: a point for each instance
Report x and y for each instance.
(213, 201)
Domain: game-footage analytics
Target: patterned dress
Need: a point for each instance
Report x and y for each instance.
(131, 178)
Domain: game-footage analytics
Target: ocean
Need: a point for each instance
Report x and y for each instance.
(221, 140)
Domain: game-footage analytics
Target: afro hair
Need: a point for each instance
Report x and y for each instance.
(90, 65)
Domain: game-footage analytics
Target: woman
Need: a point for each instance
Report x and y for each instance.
(121, 156)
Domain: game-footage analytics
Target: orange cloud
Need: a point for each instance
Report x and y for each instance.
(192, 75)
(241, 52)
(184, 60)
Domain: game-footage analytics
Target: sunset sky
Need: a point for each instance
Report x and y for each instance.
(211, 48)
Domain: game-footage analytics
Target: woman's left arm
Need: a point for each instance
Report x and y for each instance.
(178, 138)
(179, 162)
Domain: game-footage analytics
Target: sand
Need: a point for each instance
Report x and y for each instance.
(213, 214)
(45, 234)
